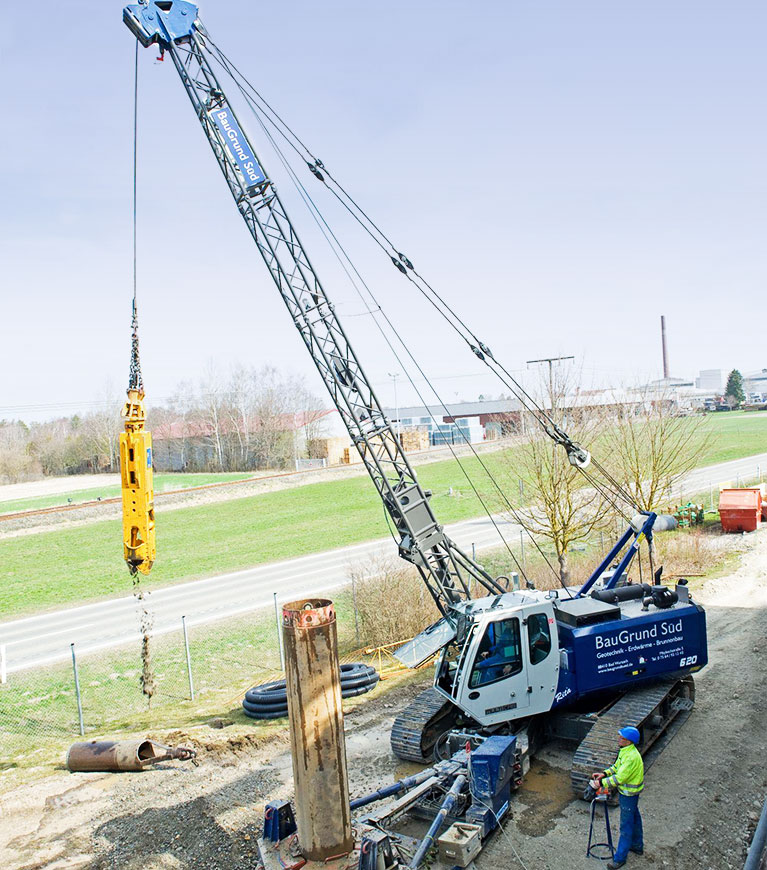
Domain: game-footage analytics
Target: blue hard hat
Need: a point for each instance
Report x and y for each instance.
(630, 733)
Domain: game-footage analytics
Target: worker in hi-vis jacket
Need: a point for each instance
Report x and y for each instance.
(627, 775)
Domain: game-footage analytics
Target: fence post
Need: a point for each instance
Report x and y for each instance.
(188, 658)
(356, 617)
(522, 549)
(77, 691)
(3, 664)
(279, 632)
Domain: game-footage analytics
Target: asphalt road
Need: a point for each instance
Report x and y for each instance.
(43, 639)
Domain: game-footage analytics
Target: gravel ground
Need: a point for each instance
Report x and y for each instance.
(700, 806)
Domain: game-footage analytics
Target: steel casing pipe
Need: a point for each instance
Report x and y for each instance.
(317, 728)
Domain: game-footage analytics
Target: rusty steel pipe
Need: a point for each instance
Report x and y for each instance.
(317, 728)
(122, 755)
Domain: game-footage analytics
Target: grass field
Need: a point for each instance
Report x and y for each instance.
(39, 708)
(162, 483)
(735, 434)
(74, 565)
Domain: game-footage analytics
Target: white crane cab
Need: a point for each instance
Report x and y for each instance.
(508, 664)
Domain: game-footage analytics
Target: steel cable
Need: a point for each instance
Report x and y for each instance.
(262, 114)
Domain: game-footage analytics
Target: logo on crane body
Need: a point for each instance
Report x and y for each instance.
(238, 145)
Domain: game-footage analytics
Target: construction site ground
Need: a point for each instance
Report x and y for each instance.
(700, 805)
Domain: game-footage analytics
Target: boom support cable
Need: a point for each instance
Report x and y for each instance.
(259, 104)
(329, 234)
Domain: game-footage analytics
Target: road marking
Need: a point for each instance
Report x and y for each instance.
(39, 637)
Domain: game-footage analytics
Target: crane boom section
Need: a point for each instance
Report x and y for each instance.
(445, 568)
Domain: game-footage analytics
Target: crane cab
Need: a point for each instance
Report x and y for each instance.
(507, 665)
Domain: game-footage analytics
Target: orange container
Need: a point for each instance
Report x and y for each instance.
(740, 509)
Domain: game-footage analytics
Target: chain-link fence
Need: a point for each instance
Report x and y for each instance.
(204, 672)
(191, 674)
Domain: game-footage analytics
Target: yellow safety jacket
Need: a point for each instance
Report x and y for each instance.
(627, 774)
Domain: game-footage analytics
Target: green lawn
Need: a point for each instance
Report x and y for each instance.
(735, 434)
(162, 483)
(38, 708)
(74, 565)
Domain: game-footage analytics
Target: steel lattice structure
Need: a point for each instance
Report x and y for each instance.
(444, 567)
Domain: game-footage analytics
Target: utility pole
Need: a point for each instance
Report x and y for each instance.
(396, 404)
(550, 360)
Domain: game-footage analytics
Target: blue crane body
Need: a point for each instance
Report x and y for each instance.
(621, 652)
(518, 662)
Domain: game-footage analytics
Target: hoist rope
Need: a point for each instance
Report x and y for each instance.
(135, 381)
(328, 233)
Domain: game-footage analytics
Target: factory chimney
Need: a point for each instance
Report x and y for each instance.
(663, 341)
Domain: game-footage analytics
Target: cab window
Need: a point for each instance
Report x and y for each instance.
(499, 654)
(538, 637)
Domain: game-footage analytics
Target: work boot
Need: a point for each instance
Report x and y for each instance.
(613, 865)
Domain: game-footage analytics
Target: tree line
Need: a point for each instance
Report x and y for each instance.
(247, 420)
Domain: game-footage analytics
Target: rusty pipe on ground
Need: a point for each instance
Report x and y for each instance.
(122, 755)
(316, 718)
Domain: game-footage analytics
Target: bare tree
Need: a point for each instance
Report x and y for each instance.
(240, 412)
(274, 419)
(102, 431)
(652, 445)
(16, 461)
(213, 412)
(553, 501)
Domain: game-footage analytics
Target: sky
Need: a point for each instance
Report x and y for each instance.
(564, 173)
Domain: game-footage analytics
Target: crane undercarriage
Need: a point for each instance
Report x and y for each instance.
(431, 726)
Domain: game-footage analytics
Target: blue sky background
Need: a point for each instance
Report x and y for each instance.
(564, 172)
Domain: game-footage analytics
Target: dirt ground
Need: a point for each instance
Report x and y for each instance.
(700, 805)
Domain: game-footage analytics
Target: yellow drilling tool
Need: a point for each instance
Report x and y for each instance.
(137, 486)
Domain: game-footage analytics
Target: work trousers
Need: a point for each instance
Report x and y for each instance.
(631, 827)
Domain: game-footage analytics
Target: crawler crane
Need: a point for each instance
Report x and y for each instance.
(574, 662)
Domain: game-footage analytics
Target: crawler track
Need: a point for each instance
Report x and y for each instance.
(657, 711)
(416, 729)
